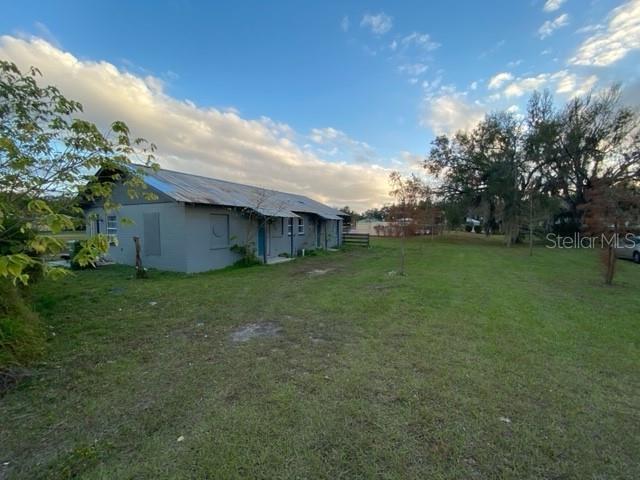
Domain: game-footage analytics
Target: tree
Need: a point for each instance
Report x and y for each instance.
(515, 171)
(484, 168)
(48, 157)
(263, 203)
(352, 213)
(592, 137)
(408, 192)
(608, 208)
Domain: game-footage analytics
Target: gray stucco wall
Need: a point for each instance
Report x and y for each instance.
(171, 229)
(201, 254)
(187, 239)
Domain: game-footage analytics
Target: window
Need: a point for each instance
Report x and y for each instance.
(112, 229)
(290, 226)
(301, 226)
(219, 231)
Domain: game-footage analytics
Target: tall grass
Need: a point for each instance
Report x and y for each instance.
(22, 338)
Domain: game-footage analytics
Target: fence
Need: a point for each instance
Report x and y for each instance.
(357, 239)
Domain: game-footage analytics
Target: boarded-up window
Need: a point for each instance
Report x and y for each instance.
(151, 240)
(219, 231)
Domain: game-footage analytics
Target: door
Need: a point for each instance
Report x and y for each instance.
(261, 240)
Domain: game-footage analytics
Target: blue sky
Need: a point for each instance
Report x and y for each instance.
(334, 85)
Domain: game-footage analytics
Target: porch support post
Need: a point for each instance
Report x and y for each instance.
(292, 225)
(264, 247)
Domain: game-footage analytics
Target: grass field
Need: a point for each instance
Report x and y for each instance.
(481, 362)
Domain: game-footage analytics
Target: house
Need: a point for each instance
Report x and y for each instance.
(194, 221)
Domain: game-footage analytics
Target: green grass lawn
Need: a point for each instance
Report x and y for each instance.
(481, 362)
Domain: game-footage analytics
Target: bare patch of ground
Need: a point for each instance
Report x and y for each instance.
(317, 272)
(255, 330)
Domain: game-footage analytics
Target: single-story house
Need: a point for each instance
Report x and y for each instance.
(194, 221)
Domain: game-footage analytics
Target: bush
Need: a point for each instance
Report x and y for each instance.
(477, 229)
(75, 249)
(22, 338)
(468, 227)
(247, 254)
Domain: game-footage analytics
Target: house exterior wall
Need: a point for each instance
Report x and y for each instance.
(279, 240)
(172, 254)
(201, 254)
(190, 239)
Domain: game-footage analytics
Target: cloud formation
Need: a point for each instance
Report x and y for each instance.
(551, 26)
(420, 40)
(201, 140)
(378, 24)
(621, 36)
(563, 82)
(344, 24)
(450, 112)
(497, 80)
(552, 5)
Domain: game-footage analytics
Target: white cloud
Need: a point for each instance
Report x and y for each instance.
(473, 86)
(564, 82)
(590, 28)
(202, 140)
(332, 142)
(550, 26)
(497, 80)
(413, 69)
(552, 5)
(378, 24)
(450, 112)
(573, 85)
(526, 85)
(621, 36)
(514, 63)
(421, 40)
(344, 23)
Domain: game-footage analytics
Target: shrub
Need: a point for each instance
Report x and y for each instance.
(75, 249)
(247, 254)
(477, 229)
(22, 338)
(468, 227)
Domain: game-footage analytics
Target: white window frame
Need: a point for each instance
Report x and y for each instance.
(112, 229)
(300, 226)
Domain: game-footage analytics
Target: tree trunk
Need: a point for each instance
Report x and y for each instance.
(610, 266)
(140, 271)
(530, 225)
(402, 250)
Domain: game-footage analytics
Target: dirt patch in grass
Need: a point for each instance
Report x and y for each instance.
(255, 330)
(317, 272)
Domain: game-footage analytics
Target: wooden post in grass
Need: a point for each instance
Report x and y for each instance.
(140, 272)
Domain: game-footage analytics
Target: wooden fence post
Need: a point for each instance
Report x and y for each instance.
(140, 271)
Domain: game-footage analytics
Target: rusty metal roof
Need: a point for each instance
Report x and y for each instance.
(184, 187)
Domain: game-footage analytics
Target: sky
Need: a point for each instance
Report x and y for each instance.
(319, 98)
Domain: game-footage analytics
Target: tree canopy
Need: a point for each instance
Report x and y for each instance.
(510, 162)
(49, 160)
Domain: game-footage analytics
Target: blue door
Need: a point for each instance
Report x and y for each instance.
(261, 240)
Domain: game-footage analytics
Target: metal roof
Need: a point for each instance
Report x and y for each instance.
(184, 187)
